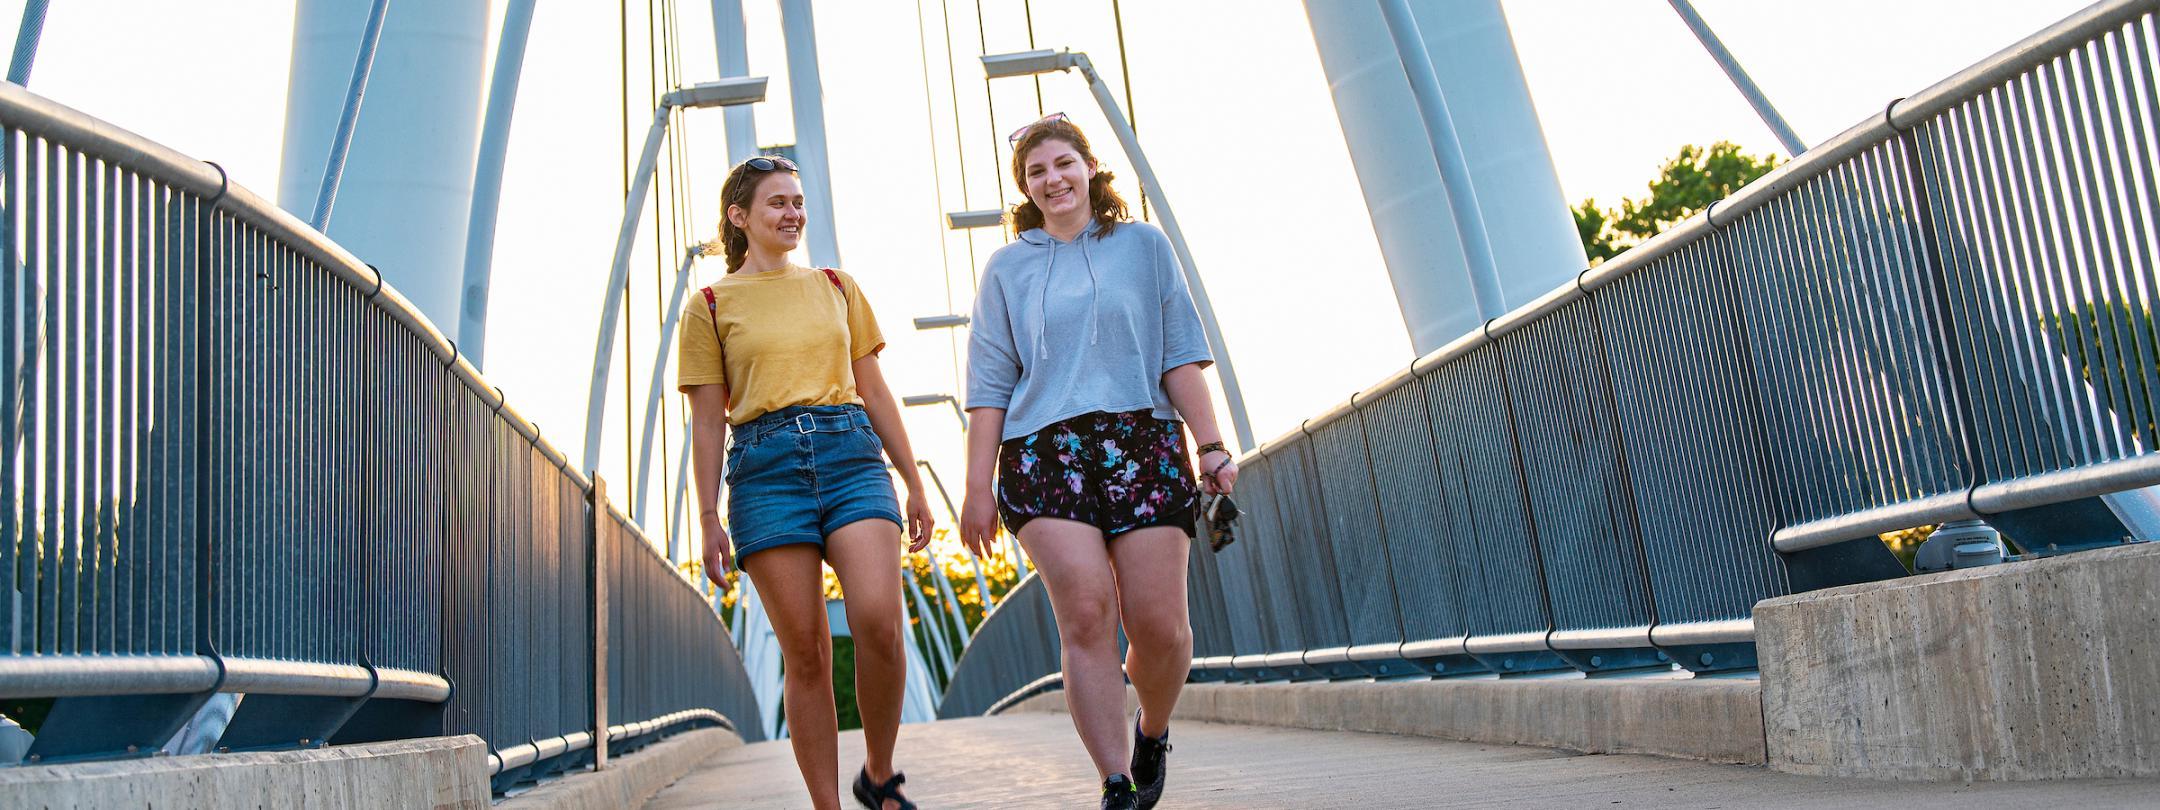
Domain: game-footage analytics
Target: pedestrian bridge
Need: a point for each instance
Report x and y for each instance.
(234, 462)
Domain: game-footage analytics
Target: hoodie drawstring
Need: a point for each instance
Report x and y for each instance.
(1042, 297)
(1094, 290)
(1042, 306)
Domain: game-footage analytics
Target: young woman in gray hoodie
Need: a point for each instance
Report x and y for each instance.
(1085, 357)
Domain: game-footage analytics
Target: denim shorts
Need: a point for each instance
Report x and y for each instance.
(797, 474)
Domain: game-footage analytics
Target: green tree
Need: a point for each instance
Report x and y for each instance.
(1686, 184)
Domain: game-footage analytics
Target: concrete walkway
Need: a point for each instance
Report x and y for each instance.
(1033, 760)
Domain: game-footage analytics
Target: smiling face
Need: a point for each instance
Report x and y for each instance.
(773, 217)
(1055, 176)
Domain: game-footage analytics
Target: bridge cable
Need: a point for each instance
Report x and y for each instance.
(658, 81)
(622, 30)
(982, 39)
(937, 185)
(1132, 114)
(349, 118)
(679, 171)
(952, 86)
(1028, 7)
(26, 42)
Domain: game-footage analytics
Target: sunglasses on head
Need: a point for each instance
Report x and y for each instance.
(767, 163)
(1014, 138)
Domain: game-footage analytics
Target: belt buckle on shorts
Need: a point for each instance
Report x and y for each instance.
(805, 423)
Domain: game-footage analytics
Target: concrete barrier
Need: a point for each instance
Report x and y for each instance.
(2046, 669)
(1719, 720)
(439, 772)
(630, 780)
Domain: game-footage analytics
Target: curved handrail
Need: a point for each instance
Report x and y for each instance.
(254, 237)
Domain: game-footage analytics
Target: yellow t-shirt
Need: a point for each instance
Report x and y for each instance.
(785, 337)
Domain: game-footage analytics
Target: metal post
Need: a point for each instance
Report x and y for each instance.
(1233, 396)
(656, 388)
(488, 174)
(952, 601)
(1447, 151)
(806, 97)
(599, 622)
(341, 144)
(730, 45)
(958, 414)
(982, 583)
(931, 632)
(676, 528)
(1754, 94)
(26, 42)
(619, 270)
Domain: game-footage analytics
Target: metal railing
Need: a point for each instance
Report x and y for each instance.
(1945, 312)
(1015, 644)
(233, 460)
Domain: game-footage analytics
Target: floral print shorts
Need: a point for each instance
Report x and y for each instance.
(1115, 471)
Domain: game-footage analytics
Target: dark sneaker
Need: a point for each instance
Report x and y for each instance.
(1149, 765)
(1119, 793)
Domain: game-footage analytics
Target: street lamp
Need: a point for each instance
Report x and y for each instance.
(919, 400)
(722, 93)
(968, 220)
(929, 322)
(1029, 63)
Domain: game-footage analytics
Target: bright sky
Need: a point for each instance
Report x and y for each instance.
(1227, 95)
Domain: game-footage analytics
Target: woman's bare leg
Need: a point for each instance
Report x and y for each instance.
(791, 581)
(1075, 566)
(1150, 565)
(866, 556)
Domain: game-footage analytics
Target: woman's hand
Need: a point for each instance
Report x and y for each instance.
(919, 519)
(719, 551)
(979, 522)
(1218, 472)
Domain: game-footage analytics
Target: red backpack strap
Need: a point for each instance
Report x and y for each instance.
(712, 305)
(835, 279)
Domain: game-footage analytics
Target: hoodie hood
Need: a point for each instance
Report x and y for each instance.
(1050, 247)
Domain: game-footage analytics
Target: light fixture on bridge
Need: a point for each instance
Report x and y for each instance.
(920, 400)
(722, 93)
(929, 322)
(727, 92)
(1030, 63)
(969, 220)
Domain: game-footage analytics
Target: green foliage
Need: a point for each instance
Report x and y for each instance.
(27, 712)
(843, 682)
(2113, 346)
(1686, 184)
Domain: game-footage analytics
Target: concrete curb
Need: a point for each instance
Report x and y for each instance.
(437, 772)
(631, 780)
(2041, 669)
(1719, 720)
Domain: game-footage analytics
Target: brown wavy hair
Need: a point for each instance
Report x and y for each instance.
(1109, 208)
(741, 185)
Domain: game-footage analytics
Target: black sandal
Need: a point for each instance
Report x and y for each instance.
(875, 796)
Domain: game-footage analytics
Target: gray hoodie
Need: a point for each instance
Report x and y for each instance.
(1067, 328)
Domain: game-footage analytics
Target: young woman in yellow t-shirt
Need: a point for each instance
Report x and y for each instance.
(788, 357)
